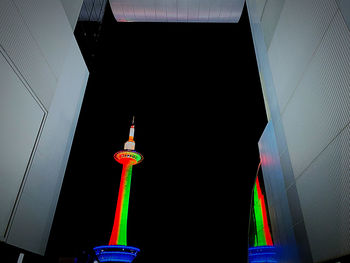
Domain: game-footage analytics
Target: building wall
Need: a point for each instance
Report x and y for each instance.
(72, 9)
(42, 82)
(303, 54)
(277, 199)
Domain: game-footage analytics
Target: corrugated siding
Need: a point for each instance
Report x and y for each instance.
(325, 200)
(20, 45)
(309, 59)
(300, 29)
(344, 6)
(320, 106)
(32, 221)
(72, 9)
(280, 217)
(39, 45)
(316, 123)
(262, 59)
(221, 11)
(52, 37)
(20, 118)
(270, 17)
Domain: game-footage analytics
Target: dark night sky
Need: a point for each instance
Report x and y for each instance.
(195, 92)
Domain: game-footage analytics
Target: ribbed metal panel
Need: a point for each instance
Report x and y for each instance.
(203, 13)
(318, 134)
(259, 9)
(262, 60)
(92, 10)
(344, 6)
(287, 168)
(265, 73)
(281, 222)
(302, 243)
(320, 106)
(270, 17)
(279, 130)
(220, 11)
(310, 57)
(72, 9)
(52, 37)
(39, 46)
(32, 220)
(325, 200)
(300, 29)
(20, 121)
(22, 48)
(294, 205)
(292, 225)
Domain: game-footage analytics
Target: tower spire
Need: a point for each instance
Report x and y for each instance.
(130, 144)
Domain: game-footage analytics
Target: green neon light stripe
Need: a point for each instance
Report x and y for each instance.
(260, 234)
(124, 205)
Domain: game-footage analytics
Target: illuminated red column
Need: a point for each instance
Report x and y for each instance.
(128, 157)
(118, 236)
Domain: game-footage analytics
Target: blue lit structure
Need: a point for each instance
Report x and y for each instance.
(262, 254)
(116, 253)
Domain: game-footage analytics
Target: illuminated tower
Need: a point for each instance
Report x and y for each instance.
(261, 247)
(117, 250)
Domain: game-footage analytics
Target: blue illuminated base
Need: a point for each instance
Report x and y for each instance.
(262, 254)
(116, 253)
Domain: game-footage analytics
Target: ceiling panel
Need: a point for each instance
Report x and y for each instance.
(202, 11)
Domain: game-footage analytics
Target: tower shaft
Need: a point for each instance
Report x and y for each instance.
(117, 250)
(118, 236)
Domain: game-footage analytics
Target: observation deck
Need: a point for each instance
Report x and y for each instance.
(116, 253)
(128, 156)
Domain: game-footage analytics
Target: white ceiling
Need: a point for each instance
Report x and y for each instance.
(202, 11)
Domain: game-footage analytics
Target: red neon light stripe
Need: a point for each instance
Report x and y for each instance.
(264, 215)
(118, 236)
